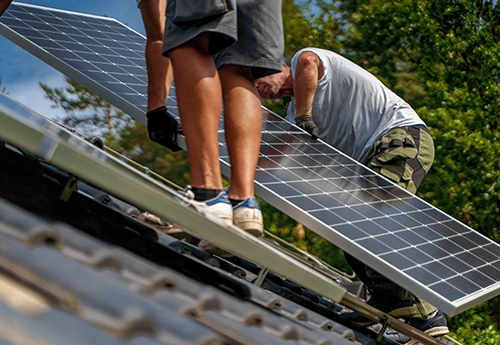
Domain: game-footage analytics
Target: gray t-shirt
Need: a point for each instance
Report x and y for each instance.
(351, 107)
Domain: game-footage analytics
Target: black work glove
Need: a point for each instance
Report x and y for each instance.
(163, 128)
(306, 123)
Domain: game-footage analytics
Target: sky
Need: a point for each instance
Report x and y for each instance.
(21, 72)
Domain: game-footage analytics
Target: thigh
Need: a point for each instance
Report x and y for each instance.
(404, 156)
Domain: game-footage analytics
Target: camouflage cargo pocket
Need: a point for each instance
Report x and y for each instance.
(390, 154)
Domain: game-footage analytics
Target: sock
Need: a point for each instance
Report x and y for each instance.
(202, 194)
(235, 202)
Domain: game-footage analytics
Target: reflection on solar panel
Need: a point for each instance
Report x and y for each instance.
(401, 236)
(31, 132)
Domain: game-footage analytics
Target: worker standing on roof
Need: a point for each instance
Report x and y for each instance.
(346, 106)
(162, 126)
(217, 49)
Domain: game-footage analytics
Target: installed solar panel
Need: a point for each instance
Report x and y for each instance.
(395, 232)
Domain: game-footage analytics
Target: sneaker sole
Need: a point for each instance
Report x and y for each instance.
(200, 210)
(252, 227)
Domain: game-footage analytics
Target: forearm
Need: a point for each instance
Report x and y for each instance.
(159, 75)
(158, 66)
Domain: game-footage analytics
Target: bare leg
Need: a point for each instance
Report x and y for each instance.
(243, 128)
(199, 96)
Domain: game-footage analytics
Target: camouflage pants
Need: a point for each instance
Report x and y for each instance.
(404, 156)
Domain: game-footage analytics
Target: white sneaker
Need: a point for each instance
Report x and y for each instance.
(248, 216)
(219, 206)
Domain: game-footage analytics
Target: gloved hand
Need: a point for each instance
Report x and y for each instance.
(306, 123)
(163, 128)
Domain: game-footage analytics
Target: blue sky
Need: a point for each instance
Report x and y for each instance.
(21, 72)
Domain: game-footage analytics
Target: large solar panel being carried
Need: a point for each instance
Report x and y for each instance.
(395, 232)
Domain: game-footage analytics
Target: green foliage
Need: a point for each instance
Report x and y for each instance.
(466, 169)
(91, 115)
(476, 326)
(306, 26)
(297, 28)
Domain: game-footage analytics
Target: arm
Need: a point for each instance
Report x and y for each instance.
(158, 66)
(308, 71)
(162, 126)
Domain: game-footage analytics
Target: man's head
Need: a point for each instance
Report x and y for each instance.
(276, 85)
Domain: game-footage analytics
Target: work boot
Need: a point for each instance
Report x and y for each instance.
(435, 326)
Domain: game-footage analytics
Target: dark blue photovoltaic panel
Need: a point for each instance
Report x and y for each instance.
(110, 55)
(395, 232)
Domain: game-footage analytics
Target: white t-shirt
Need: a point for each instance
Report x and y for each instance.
(351, 107)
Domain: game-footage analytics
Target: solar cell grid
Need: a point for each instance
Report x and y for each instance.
(398, 234)
(109, 53)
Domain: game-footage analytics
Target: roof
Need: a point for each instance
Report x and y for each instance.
(94, 273)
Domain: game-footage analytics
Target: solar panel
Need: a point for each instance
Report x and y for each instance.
(395, 232)
(101, 53)
(39, 136)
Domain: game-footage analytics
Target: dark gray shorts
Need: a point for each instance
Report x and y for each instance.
(250, 34)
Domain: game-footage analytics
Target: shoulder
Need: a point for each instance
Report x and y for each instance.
(309, 58)
(307, 54)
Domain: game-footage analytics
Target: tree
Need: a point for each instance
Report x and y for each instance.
(85, 110)
(91, 115)
(449, 50)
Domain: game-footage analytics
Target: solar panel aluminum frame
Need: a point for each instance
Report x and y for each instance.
(450, 307)
(29, 131)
